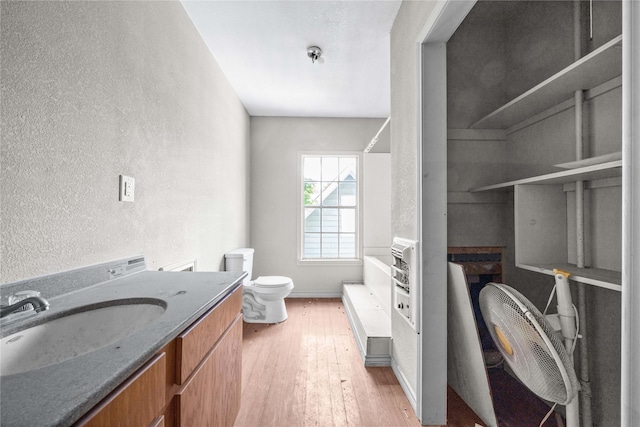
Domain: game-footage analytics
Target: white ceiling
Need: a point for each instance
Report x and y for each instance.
(261, 47)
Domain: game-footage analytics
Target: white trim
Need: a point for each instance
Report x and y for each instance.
(408, 391)
(444, 20)
(432, 341)
(374, 140)
(181, 266)
(430, 399)
(323, 262)
(630, 328)
(377, 361)
(315, 295)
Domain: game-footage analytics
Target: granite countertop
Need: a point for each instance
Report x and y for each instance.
(58, 395)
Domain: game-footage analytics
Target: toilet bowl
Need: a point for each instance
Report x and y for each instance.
(262, 298)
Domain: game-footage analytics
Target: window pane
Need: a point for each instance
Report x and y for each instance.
(312, 219)
(330, 197)
(329, 220)
(329, 245)
(347, 245)
(311, 245)
(312, 193)
(348, 220)
(329, 168)
(311, 169)
(348, 168)
(330, 194)
(348, 193)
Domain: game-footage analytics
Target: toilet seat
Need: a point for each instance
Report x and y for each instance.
(271, 281)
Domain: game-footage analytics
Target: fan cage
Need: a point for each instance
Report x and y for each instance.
(538, 357)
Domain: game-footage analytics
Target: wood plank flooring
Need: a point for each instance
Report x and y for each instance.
(307, 371)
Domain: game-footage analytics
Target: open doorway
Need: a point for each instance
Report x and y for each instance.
(501, 52)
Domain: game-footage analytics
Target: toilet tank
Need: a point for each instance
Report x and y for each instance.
(240, 260)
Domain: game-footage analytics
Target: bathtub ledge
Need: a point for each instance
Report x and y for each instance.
(370, 324)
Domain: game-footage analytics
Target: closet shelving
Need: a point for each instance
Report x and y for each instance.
(587, 173)
(600, 66)
(543, 234)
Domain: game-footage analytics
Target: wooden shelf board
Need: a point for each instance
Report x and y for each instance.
(592, 276)
(587, 173)
(601, 65)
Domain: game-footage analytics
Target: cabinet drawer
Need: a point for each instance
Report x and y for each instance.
(196, 341)
(211, 396)
(136, 402)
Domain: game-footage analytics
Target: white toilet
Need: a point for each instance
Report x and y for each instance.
(263, 298)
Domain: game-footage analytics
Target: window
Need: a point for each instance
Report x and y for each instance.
(329, 207)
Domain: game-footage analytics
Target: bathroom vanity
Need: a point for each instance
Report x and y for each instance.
(183, 368)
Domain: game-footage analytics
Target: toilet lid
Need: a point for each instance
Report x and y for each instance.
(271, 281)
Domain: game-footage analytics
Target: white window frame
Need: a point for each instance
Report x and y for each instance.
(300, 207)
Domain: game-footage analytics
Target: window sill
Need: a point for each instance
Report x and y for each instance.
(326, 262)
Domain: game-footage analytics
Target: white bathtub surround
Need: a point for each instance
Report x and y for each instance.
(368, 304)
(368, 307)
(376, 272)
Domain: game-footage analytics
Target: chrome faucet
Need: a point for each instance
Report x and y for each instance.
(39, 304)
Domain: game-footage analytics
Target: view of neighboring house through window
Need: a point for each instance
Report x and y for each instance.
(330, 199)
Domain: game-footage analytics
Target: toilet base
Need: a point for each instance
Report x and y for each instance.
(255, 310)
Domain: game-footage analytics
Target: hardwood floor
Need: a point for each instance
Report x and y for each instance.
(307, 371)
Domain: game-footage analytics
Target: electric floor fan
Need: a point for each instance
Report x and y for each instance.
(531, 347)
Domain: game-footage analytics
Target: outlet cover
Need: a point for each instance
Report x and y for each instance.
(127, 187)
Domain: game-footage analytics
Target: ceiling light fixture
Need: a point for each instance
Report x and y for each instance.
(314, 52)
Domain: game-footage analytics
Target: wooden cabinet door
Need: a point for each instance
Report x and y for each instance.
(198, 339)
(211, 397)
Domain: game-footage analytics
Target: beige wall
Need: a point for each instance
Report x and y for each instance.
(92, 90)
(275, 146)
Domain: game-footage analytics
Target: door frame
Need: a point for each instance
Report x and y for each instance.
(432, 209)
(432, 224)
(630, 328)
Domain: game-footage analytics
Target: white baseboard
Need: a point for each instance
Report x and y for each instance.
(408, 391)
(377, 360)
(315, 295)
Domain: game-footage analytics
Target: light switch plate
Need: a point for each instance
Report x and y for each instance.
(127, 188)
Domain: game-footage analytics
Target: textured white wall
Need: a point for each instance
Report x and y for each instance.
(92, 90)
(410, 20)
(275, 145)
(376, 203)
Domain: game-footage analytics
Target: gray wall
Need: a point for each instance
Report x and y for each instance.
(92, 90)
(275, 146)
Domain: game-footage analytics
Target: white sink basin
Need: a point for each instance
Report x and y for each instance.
(81, 331)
